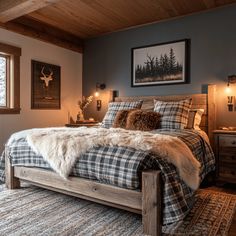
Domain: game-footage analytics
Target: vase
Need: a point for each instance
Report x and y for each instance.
(80, 116)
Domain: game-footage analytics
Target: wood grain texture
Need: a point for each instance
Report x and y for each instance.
(203, 101)
(148, 202)
(12, 9)
(93, 189)
(9, 49)
(225, 152)
(12, 182)
(44, 32)
(86, 18)
(198, 101)
(211, 99)
(151, 202)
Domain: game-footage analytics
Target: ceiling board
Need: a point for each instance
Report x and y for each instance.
(43, 32)
(11, 9)
(91, 18)
(79, 20)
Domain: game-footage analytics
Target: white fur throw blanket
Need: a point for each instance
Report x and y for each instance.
(62, 147)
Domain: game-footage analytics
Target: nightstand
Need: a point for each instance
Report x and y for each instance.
(225, 151)
(84, 123)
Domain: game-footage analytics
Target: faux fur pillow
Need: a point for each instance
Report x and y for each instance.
(143, 120)
(114, 107)
(120, 119)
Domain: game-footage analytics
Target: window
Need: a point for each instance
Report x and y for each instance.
(9, 79)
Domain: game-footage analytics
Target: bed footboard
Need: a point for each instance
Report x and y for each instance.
(151, 202)
(12, 182)
(148, 202)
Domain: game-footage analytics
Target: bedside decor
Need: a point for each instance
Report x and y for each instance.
(230, 96)
(45, 93)
(161, 64)
(83, 104)
(225, 149)
(99, 101)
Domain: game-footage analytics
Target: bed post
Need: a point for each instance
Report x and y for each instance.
(211, 111)
(11, 181)
(151, 202)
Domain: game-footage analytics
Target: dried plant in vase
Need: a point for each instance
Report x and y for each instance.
(83, 104)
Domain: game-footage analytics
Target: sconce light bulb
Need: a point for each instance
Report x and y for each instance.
(228, 90)
(96, 94)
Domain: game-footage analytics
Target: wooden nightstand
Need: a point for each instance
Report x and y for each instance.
(225, 151)
(85, 123)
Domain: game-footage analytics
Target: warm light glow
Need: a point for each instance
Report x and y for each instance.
(228, 90)
(96, 94)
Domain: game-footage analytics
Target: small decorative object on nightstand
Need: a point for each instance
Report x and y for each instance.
(82, 106)
(225, 151)
(87, 123)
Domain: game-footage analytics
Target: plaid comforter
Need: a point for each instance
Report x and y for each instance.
(122, 166)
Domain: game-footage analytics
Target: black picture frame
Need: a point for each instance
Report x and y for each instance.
(45, 85)
(161, 64)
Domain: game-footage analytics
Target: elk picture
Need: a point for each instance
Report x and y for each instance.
(45, 85)
(46, 78)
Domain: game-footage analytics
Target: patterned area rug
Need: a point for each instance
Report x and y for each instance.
(35, 211)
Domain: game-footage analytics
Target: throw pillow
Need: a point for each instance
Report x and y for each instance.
(143, 120)
(174, 114)
(114, 107)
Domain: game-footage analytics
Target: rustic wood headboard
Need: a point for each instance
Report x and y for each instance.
(204, 101)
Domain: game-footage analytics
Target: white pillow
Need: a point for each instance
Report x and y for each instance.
(194, 119)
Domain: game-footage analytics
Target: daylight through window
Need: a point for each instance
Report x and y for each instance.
(3, 81)
(9, 79)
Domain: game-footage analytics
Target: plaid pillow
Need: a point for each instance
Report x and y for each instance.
(114, 107)
(174, 114)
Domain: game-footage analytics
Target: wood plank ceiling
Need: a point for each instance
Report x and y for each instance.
(67, 23)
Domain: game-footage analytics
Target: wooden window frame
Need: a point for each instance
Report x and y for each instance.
(13, 79)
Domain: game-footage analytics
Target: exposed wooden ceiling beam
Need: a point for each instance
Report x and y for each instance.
(12, 9)
(44, 32)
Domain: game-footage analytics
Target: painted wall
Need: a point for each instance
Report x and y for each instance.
(213, 57)
(71, 85)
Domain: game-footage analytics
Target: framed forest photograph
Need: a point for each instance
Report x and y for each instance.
(161, 64)
(46, 83)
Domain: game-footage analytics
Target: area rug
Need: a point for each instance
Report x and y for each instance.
(35, 211)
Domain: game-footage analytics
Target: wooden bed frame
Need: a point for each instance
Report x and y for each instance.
(147, 202)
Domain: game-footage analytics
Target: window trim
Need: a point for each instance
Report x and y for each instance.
(13, 99)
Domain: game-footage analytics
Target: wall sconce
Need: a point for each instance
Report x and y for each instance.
(99, 101)
(231, 99)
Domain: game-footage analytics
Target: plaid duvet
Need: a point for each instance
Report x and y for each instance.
(122, 166)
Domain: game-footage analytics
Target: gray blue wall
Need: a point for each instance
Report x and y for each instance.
(213, 56)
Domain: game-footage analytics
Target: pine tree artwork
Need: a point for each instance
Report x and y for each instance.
(161, 64)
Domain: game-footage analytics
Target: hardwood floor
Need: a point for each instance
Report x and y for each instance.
(228, 188)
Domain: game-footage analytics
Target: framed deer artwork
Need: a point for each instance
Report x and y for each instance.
(161, 64)
(45, 81)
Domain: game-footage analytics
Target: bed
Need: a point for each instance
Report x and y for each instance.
(148, 201)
